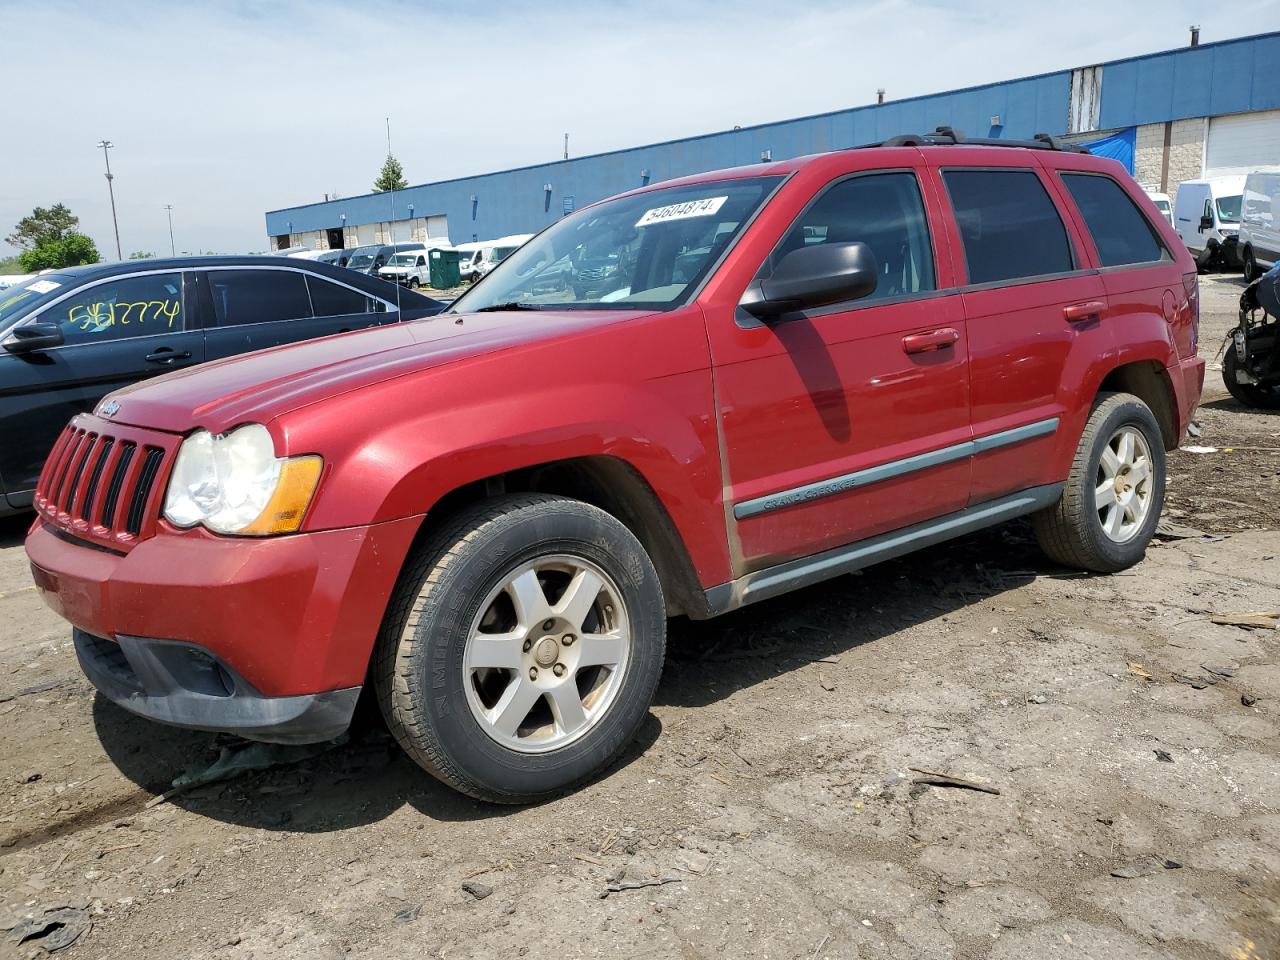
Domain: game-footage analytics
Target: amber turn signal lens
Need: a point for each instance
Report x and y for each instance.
(283, 513)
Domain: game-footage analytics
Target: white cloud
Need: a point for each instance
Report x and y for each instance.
(227, 110)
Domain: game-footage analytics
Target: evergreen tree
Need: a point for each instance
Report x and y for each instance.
(391, 177)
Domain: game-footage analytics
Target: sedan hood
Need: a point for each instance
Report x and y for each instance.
(257, 387)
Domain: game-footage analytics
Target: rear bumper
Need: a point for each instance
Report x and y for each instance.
(1187, 378)
(184, 685)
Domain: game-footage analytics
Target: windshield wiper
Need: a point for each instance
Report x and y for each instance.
(513, 305)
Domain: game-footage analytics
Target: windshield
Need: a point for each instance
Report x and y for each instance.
(18, 300)
(363, 256)
(650, 249)
(403, 260)
(1229, 208)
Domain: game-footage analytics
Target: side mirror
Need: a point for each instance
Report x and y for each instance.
(33, 337)
(1206, 222)
(813, 277)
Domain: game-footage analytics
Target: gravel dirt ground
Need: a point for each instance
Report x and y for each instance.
(772, 785)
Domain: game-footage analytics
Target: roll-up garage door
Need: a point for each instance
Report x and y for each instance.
(1242, 142)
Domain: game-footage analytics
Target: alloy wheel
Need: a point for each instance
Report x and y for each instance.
(1125, 485)
(547, 653)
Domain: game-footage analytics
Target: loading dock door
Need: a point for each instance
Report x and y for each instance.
(1242, 142)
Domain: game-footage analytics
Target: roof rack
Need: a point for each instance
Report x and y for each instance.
(947, 136)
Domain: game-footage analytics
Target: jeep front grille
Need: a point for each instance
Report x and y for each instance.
(103, 481)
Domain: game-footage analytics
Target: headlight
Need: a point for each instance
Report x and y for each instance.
(235, 483)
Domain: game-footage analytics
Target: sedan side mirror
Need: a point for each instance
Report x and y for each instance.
(33, 337)
(811, 277)
(1206, 223)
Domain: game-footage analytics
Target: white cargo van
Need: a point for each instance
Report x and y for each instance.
(1260, 223)
(477, 259)
(408, 267)
(1163, 204)
(1207, 218)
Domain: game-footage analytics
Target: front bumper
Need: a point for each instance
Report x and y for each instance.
(185, 686)
(285, 625)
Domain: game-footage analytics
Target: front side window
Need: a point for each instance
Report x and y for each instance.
(1229, 208)
(128, 307)
(331, 300)
(650, 249)
(257, 296)
(1120, 231)
(1008, 225)
(882, 210)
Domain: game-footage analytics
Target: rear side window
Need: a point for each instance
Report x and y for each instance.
(332, 300)
(885, 212)
(258, 296)
(1120, 231)
(1009, 226)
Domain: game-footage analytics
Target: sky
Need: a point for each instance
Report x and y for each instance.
(227, 110)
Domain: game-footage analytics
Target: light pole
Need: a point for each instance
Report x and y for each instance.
(107, 145)
(173, 251)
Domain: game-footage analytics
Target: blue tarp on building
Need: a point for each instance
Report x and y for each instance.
(1119, 146)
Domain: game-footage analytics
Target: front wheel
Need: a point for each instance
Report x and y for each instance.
(522, 648)
(1115, 491)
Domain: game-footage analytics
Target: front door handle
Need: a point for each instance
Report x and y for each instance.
(931, 341)
(1079, 312)
(167, 355)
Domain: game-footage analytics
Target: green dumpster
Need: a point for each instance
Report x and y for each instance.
(443, 266)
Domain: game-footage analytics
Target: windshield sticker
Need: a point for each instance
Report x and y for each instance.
(682, 211)
(43, 286)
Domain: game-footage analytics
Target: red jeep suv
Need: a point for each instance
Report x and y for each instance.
(680, 400)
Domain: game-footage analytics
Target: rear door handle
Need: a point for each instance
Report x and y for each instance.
(166, 355)
(933, 340)
(1078, 312)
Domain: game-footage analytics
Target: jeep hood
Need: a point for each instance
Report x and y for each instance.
(257, 387)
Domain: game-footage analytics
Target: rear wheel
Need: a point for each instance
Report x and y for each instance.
(1251, 272)
(1250, 394)
(1114, 493)
(522, 649)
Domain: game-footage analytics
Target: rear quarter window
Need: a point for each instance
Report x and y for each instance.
(1121, 234)
(1008, 225)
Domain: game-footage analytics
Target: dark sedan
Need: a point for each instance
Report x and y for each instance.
(72, 336)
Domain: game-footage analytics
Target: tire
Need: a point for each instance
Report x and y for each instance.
(1250, 265)
(1071, 531)
(413, 283)
(440, 706)
(1250, 394)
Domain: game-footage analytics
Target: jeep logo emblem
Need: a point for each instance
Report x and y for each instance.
(109, 409)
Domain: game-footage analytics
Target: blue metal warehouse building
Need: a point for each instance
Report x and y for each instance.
(1172, 116)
